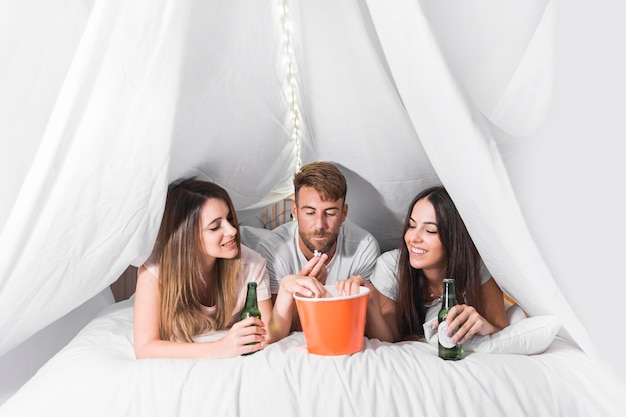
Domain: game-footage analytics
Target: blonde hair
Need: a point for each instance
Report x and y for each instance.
(179, 255)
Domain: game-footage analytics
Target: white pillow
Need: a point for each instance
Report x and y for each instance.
(528, 336)
(523, 336)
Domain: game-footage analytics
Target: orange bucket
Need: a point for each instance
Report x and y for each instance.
(334, 325)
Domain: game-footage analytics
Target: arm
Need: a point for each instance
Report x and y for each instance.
(312, 270)
(265, 307)
(492, 304)
(388, 311)
(381, 322)
(277, 270)
(148, 343)
(283, 313)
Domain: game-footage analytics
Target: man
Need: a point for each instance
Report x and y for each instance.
(320, 243)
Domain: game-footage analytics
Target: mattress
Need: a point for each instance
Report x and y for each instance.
(97, 374)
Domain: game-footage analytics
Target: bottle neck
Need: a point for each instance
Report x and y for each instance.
(251, 301)
(449, 294)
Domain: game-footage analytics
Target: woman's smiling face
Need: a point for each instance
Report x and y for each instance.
(422, 239)
(218, 234)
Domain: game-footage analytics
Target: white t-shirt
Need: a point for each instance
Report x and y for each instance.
(356, 253)
(386, 271)
(253, 269)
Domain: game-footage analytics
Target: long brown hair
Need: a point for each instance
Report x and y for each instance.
(463, 263)
(180, 251)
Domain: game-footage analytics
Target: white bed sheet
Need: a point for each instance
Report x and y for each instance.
(96, 374)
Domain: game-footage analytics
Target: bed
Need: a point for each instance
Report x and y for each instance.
(96, 374)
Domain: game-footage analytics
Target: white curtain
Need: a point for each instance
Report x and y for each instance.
(463, 151)
(90, 200)
(107, 103)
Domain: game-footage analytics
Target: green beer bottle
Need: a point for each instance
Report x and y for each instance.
(251, 309)
(447, 349)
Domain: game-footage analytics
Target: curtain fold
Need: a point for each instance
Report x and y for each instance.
(92, 198)
(37, 44)
(466, 159)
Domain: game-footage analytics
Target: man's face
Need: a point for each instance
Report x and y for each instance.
(318, 220)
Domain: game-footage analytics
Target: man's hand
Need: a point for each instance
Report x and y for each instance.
(351, 286)
(316, 268)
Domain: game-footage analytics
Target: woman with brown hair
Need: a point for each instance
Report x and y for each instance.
(195, 282)
(409, 280)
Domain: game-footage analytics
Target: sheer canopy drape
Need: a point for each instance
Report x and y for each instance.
(107, 102)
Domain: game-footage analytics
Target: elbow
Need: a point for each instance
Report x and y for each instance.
(140, 354)
(142, 351)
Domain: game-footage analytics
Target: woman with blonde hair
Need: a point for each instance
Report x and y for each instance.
(195, 282)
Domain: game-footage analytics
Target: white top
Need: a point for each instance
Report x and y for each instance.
(253, 269)
(385, 274)
(356, 253)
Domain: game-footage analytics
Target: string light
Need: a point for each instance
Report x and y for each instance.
(292, 85)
